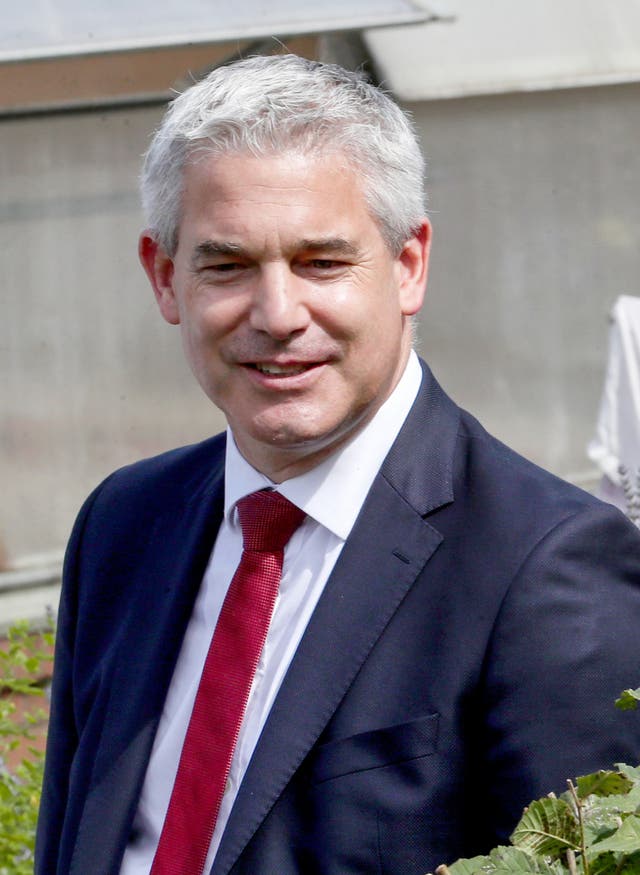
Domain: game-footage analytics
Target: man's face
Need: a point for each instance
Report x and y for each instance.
(294, 313)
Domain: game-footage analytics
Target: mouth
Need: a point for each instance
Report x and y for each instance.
(271, 369)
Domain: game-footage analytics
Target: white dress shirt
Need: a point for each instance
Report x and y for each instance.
(331, 495)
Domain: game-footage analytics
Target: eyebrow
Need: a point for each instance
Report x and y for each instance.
(213, 248)
(333, 245)
(330, 245)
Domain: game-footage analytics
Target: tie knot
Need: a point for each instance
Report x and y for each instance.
(268, 520)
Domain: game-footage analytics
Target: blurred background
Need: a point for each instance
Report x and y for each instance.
(529, 113)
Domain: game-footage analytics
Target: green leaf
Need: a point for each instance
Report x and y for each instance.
(625, 840)
(632, 772)
(601, 822)
(604, 864)
(603, 783)
(628, 700)
(603, 815)
(595, 808)
(504, 861)
(630, 866)
(464, 866)
(548, 827)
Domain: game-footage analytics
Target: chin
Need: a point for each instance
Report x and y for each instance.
(288, 433)
(292, 439)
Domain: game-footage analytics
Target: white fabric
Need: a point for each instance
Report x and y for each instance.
(331, 495)
(617, 439)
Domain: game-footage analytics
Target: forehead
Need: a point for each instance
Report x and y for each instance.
(291, 192)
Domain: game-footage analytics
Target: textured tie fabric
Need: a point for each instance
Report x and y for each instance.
(268, 520)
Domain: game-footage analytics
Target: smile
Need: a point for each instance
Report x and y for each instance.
(273, 370)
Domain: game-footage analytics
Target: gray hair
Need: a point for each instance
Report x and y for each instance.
(277, 104)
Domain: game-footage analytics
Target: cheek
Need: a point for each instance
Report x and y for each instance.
(347, 315)
(203, 319)
(201, 349)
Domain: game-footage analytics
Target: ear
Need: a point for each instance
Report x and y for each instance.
(413, 264)
(159, 268)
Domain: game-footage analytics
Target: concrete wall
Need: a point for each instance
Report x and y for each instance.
(536, 209)
(91, 376)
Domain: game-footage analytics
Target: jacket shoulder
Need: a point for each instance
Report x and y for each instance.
(167, 470)
(493, 466)
(131, 498)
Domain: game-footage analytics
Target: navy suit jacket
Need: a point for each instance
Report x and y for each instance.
(463, 659)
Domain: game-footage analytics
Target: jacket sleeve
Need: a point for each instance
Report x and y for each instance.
(563, 648)
(62, 735)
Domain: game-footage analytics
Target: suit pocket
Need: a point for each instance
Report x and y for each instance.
(375, 749)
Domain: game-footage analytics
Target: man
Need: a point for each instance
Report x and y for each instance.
(452, 624)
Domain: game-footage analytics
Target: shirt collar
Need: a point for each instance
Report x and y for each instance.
(333, 492)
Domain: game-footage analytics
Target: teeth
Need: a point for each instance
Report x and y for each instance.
(280, 370)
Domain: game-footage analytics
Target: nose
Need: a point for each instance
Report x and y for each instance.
(278, 305)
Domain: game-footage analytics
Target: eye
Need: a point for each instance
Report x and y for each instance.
(225, 267)
(324, 266)
(324, 263)
(221, 271)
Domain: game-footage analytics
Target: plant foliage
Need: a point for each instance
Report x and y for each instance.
(628, 699)
(591, 829)
(21, 662)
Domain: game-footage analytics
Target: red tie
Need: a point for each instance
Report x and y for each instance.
(268, 520)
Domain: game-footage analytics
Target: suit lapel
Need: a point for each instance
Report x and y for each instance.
(166, 582)
(370, 580)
